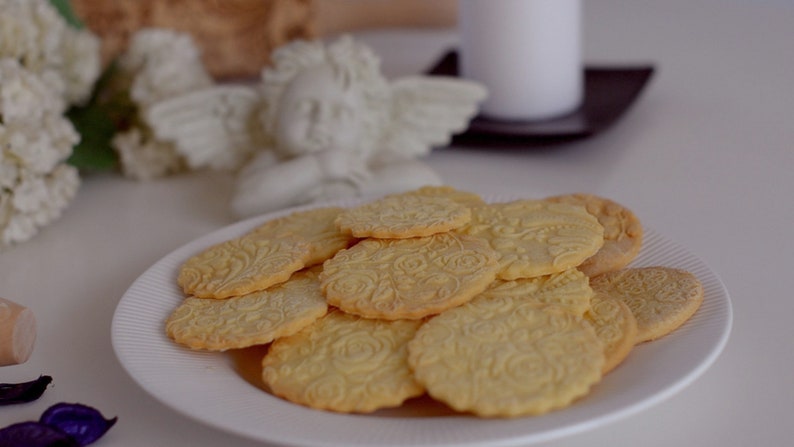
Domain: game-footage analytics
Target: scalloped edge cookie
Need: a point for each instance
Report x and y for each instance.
(615, 326)
(404, 216)
(408, 278)
(316, 226)
(344, 363)
(661, 298)
(506, 357)
(242, 265)
(623, 232)
(536, 237)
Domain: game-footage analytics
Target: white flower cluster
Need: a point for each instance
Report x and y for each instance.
(35, 139)
(159, 64)
(45, 66)
(33, 33)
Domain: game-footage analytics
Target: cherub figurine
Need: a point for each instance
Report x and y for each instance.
(323, 124)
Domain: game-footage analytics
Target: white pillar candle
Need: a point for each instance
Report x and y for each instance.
(526, 52)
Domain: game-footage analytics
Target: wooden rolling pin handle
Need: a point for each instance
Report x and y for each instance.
(17, 333)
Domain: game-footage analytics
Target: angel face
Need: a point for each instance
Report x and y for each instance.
(318, 111)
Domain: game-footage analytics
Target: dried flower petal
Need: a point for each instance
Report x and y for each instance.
(83, 423)
(34, 434)
(16, 393)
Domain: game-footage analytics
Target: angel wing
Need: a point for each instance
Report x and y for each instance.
(214, 127)
(426, 112)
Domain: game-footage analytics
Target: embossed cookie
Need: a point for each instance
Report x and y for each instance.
(408, 278)
(622, 232)
(463, 197)
(569, 289)
(344, 363)
(316, 226)
(615, 326)
(248, 320)
(242, 265)
(506, 357)
(661, 298)
(404, 216)
(535, 237)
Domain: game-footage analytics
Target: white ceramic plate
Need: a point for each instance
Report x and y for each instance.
(221, 389)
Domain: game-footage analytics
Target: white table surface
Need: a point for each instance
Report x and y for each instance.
(705, 157)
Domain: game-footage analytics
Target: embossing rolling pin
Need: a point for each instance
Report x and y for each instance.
(17, 333)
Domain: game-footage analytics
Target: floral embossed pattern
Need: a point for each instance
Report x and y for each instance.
(570, 289)
(496, 317)
(242, 265)
(466, 198)
(661, 298)
(506, 357)
(344, 363)
(403, 216)
(622, 232)
(316, 226)
(615, 326)
(535, 238)
(248, 320)
(408, 278)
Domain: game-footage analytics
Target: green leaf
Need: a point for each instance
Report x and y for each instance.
(64, 7)
(97, 122)
(94, 152)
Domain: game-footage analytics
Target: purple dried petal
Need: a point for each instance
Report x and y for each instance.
(85, 424)
(35, 434)
(17, 393)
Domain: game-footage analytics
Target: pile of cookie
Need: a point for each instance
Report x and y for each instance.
(495, 309)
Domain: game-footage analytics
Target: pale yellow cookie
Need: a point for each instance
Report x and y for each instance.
(506, 357)
(569, 289)
(242, 265)
(615, 326)
(403, 216)
(622, 232)
(463, 197)
(661, 298)
(408, 278)
(344, 363)
(253, 319)
(535, 237)
(317, 226)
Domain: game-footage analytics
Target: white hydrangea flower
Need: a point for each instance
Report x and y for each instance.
(159, 64)
(35, 140)
(18, 228)
(82, 64)
(24, 95)
(62, 186)
(30, 194)
(9, 169)
(33, 33)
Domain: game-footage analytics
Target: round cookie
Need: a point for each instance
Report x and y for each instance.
(623, 232)
(344, 363)
(404, 216)
(463, 197)
(242, 265)
(253, 319)
(661, 298)
(615, 325)
(408, 278)
(316, 226)
(569, 289)
(506, 357)
(535, 237)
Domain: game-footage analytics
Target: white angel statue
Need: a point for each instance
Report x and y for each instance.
(324, 123)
